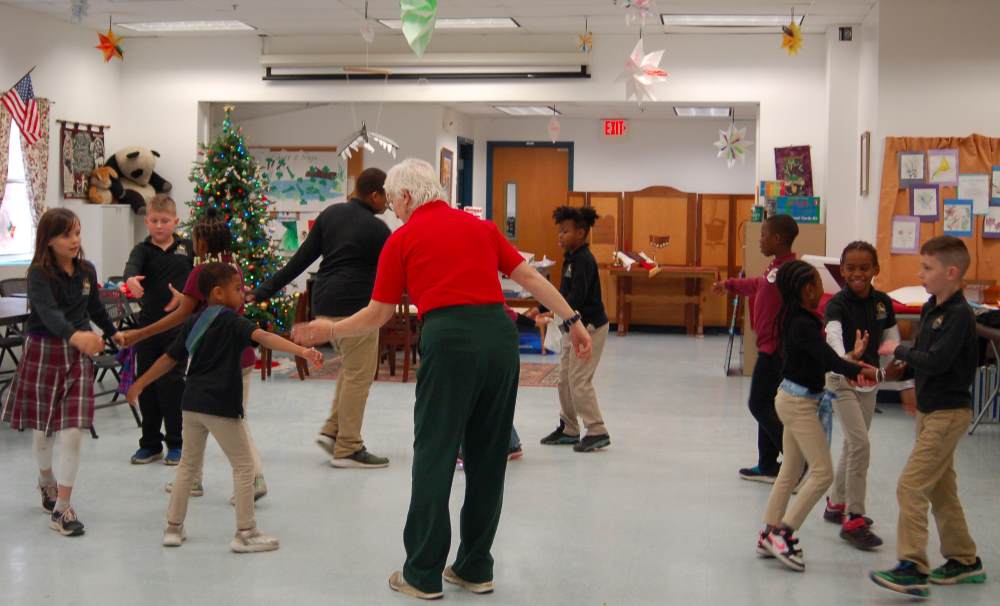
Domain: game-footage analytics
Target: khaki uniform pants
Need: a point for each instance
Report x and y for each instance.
(855, 410)
(577, 397)
(357, 372)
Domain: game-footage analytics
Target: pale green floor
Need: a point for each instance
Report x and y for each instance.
(659, 518)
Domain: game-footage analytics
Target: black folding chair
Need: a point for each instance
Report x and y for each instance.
(107, 361)
(13, 336)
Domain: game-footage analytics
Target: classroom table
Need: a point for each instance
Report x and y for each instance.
(13, 310)
(694, 276)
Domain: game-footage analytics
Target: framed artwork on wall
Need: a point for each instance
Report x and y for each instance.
(942, 166)
(995, 190)
(991, 223)
(866, 161)
(447, 171)
(911, 169)
(975, 187)
(794, 166)
(958, 218)
(924, 202)
(905, 235)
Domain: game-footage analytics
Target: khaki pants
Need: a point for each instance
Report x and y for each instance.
(803, 441)
(357, 372)
(258, 467)
(855, 410)
(577, 397)
(929, 478)
(234, 439)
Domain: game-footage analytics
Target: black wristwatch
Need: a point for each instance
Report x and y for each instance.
(565, 326)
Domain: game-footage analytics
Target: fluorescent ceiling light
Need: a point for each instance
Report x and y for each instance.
(487, 23)
(188, 26)
(527, 110)
(703, 112)
(724, 20)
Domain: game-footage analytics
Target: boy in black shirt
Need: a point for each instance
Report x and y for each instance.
(160, 261)
(943, 362)
(212, 342)
(581, 286)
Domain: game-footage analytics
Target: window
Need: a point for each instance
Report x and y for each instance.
(17, 230)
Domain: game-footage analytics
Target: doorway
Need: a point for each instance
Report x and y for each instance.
(463, 195)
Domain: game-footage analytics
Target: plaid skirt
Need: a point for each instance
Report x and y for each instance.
(53, 388)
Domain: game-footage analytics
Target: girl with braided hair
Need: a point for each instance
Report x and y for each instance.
(212, 243)
(807, 357)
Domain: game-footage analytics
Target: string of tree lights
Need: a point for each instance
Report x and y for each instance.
(229, 180)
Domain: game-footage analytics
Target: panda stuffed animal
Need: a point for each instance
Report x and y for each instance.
(138, 182)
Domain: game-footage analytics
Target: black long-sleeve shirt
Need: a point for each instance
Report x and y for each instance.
(581, 286)
(62, 304)
(160, 268)
(807, 356)
(350, 239)
(943, 359)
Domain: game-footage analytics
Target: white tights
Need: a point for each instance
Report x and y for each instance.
(69, 454)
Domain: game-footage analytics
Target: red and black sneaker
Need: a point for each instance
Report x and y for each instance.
(856, 531)
(834, 512)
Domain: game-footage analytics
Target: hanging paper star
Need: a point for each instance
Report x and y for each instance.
(732, 144)
(554, 128)
(641, 71)
(368, 32)
(636, 10)
(585, 42)
(418, 17)
(110, 45)
(363, 138)
(791, 38)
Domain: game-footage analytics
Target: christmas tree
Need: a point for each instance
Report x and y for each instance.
(229, 180)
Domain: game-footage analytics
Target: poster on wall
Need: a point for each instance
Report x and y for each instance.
(958, 218)
(905, 235)
(991, 223)
(942, 166)
(995, 190)
(794, 165)
(975, 187)
(302, 179)
(924, 202)
(804, 209)
(447, 169)
(911, 169)
(81, 150)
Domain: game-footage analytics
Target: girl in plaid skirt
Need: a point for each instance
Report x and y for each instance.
(53, 390)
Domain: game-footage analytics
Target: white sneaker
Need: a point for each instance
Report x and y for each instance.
(253, 541)
(173, 536)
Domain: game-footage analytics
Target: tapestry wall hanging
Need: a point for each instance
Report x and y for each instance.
(81, 150)
(794, 165)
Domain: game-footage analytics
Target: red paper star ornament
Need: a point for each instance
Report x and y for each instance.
(110, 45)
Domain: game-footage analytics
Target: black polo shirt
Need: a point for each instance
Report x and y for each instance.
(350, 238)
(62, 304)
(581, 286)
(214, 376)
(160, 268)
(807, 356)
(943, 360)
(872, 314)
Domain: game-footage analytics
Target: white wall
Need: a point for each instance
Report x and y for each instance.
(674, 152)
(840, 201)
(868, 89)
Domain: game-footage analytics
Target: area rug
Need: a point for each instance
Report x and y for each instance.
(532, 374)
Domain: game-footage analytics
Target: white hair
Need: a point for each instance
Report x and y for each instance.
(416, 177)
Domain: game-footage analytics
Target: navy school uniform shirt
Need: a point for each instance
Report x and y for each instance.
(807, 356)
(943, 360)
(581, 286)
(161, 267)
(62, 304)
(214, 374)
(872, 314)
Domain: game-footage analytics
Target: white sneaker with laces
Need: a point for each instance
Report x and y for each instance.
(253, 541)
(783, 545)
(174, 536)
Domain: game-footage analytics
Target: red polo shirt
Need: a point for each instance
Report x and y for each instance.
(765, 303)
(444, 257)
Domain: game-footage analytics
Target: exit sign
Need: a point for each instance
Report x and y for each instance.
(615, 128)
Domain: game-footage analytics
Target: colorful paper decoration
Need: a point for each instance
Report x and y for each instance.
(641, 72)
(804, 209)
(958, 218)
(636, 10)
(791, 38)
(732, 145)
(290, 239)
(554, 128)
(585, 42)
(110, 45)
(367, 32)
(363, 138)
(419, 17)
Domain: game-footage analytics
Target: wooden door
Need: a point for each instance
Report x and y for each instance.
(605, 240)
(533, 180)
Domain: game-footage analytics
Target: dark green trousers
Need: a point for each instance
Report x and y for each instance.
(466, 389)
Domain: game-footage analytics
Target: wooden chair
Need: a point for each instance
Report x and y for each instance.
(303, 313)
(401, 332)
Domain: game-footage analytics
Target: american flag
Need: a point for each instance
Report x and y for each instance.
(20, 101)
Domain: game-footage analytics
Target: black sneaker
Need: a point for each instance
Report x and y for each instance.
(904, 578)
(856, 532)
(66, 523)
(755, 474)
(558, 438)
(361, 459)
(592, 443)
(954, 572)
(49, 494)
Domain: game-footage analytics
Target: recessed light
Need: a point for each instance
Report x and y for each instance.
(486, 23)
(703, 112)
(724, 20)
(188, 26)
(527, 110)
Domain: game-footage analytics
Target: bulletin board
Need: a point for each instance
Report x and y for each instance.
(977, 154)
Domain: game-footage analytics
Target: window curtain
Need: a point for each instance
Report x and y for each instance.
(976, 154)
(6, 121)
(36, 164)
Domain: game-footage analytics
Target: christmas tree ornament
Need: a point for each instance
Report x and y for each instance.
(641, 72)
(110, 45)
(418, 17)
(732, 145)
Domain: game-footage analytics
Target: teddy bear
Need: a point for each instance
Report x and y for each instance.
(138, 182)
(100, 185)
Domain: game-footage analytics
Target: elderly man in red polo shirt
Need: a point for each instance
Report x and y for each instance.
(447, 261)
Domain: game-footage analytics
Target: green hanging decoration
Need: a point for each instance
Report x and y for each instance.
(418, 17)
(290, 241)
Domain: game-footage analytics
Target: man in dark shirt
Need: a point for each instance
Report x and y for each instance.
(581, 286)
(943, 361)
(161, 261)
(349, 237)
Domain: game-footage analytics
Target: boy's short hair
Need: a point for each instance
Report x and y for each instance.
(583, 218)
(370, 181)
(214, 274)
(785, 226)
(162, 203)
(950, 251)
